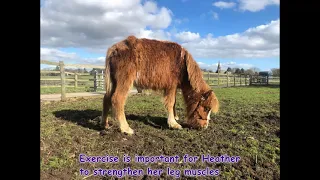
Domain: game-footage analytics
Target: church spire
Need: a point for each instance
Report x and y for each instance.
(218, 68)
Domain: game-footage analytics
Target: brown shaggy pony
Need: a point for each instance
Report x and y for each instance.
(156, 65)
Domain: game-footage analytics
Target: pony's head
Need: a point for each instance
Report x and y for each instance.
(201, 107)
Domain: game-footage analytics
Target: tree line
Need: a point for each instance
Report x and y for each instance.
(73, 70)
(251, 71)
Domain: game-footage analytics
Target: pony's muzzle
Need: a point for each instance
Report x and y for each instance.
(199, 124)
(203, 123)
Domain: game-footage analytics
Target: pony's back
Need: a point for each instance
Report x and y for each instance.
(157, 64)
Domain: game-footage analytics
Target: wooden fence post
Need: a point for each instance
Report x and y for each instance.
(95, 81)
(75, 80)
(245, 80)
(234, 80)
(99, 78)
(240, 80)
(102, 80)
(227, 79)
(267, 80)
(63, 81)
(260, 79)
(208, 78)
(218, 78)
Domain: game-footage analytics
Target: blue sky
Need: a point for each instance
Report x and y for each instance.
(238, 33)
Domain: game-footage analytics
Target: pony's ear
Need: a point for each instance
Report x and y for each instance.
(206, 95)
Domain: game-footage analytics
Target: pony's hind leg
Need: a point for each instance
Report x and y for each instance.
(170, 103)
(105, 111)
(176, 117)
(118, 101)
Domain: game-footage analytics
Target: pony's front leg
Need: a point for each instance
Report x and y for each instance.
(170, 103)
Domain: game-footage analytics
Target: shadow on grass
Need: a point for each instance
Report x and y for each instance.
(154, 121)
(89, 119)
(85, 118)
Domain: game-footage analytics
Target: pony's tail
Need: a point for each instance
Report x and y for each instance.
(108, 81)
(194, 72)
(108, 87)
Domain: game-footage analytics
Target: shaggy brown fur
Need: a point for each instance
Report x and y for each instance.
(156, 65)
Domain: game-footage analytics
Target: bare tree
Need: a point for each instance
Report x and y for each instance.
(255, 69)
(238, 71)
(275, 71)
(249, 72)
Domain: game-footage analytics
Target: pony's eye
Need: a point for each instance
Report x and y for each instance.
(207, 109)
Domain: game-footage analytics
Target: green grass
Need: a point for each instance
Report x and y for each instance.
(57, 90)
(248, 126)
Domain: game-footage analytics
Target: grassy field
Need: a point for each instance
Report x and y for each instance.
(248, 126)
(57, 90)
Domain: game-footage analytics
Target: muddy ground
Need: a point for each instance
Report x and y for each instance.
(247, 126)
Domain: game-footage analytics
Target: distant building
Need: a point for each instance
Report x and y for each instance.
(263, 73)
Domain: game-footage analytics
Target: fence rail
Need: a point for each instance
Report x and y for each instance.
(213, 79)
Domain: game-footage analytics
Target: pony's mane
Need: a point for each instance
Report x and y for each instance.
(195, 74)
(195, 86)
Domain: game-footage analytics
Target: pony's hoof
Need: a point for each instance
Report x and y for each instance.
(127, 131)
(175, 126)
(176, 118)
(106, 127)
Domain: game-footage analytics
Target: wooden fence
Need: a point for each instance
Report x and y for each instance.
(213, 79)
(98, 79)
(232, 80)
(226, 80)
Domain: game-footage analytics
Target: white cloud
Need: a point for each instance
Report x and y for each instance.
(210, 14)
(187, 36)
(258, 42)
(256, 5)
(96, 24)
(150, 7)
(215, 15)
(155, 34)
(55, 55)
(224, 5)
